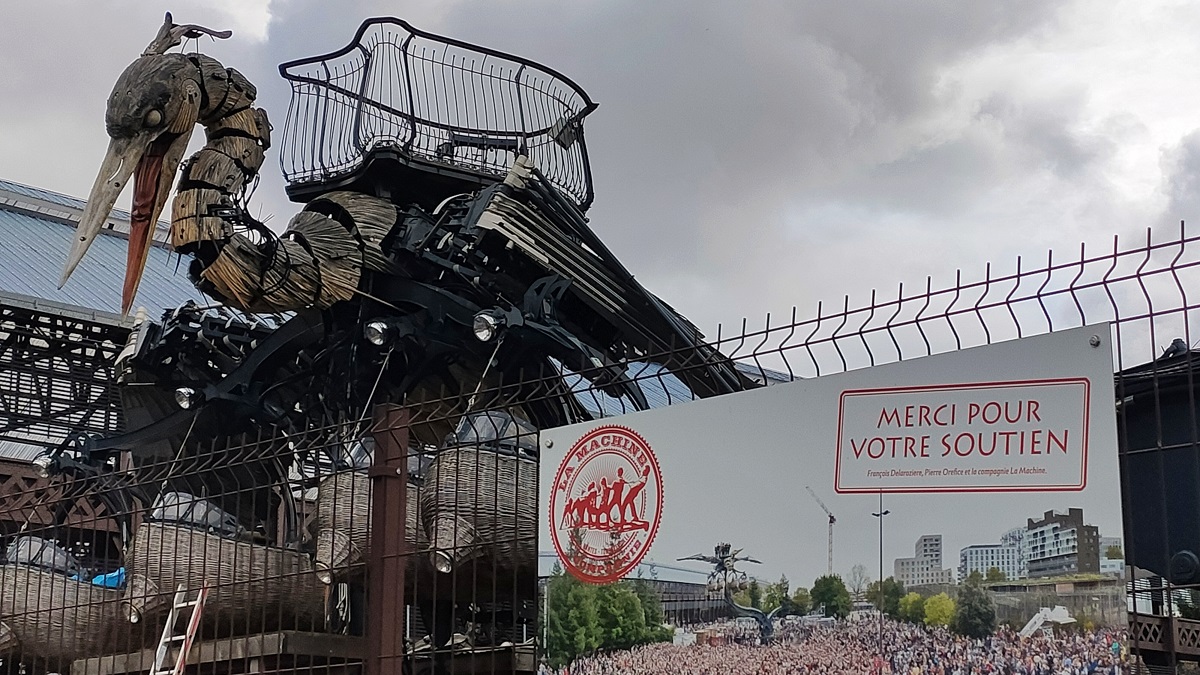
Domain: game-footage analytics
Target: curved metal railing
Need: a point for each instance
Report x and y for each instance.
(434, 99)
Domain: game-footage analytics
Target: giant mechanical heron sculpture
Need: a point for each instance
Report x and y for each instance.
(417, 279)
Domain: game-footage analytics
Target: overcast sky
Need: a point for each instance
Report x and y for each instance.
(749, 156)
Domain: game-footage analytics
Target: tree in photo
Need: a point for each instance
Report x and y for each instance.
(622, 621)
(995, 574)
(912, 608)
(858, 580)
(831, 592)
(776, 595)
(572, 619)
(651, 603)
(975, 615)
(581, 618)
(885, 595)
(1114, 553)
(939, 610)
(801, 602)
(974, 577)
(754, 593)
(742, 598)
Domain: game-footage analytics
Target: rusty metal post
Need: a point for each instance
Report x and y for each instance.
(387, 562)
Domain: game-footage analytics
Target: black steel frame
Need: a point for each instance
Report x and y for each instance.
(57, 371)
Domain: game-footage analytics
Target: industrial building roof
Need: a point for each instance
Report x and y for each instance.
(647, 569)
(37, 227)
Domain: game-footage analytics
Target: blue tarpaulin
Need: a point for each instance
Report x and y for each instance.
(111, 580)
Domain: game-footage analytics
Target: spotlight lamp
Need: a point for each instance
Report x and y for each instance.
(187, 397)
(378, 332)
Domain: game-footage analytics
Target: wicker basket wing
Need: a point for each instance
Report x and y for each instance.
(247, 582)
(481, 503)
(52, 616)
(344, 522)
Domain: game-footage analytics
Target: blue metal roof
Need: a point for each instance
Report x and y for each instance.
(48, 196)
(36, 240)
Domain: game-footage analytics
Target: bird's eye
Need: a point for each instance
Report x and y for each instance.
(154, 118)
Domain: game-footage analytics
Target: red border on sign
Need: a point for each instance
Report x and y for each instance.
(630, 564)
(1087, 411)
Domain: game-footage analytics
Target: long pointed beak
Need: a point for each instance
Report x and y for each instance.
(122, 155)
(151, 185)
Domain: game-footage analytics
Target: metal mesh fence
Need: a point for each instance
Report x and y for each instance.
(408, 535)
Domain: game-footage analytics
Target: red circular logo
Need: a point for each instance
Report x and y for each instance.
(606, 504)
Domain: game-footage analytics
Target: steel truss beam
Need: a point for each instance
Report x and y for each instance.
(57, 371)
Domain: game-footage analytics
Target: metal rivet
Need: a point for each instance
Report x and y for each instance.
(549, 442)
(1094, 341)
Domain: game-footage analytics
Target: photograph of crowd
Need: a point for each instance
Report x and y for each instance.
(868, 647)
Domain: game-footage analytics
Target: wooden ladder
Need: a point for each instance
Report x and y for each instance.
(170, 641)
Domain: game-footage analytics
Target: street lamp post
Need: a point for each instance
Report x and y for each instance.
(880, 514)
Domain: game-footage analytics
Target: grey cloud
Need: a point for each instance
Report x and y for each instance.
(1181, 169)
(746, 157)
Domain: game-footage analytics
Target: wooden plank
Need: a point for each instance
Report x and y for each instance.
(195, 202)
(335, 252)
(247, 152)
(387, 564)
(284, 643)
(319, 644)
(216, 85)
(250, 281)
(215, 170)
(250, 122)
(204, 228)
(520, 659)
(228, 90)
(373, 219)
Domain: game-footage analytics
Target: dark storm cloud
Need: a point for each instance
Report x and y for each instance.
(1181, 169)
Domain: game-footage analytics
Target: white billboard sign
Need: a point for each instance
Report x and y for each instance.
(969, 445)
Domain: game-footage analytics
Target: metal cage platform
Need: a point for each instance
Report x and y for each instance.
(417, 117)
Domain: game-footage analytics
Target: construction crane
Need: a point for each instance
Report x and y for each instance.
(832, 520)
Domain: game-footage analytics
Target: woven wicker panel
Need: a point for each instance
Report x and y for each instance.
(54, 617)
(344, 520)
(480, 503)
(249, 584)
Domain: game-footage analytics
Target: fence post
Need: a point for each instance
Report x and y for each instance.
(387, 561)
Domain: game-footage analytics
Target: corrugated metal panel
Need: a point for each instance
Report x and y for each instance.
(20, 451)
(35, 248)
(53, 197)
(762, 375)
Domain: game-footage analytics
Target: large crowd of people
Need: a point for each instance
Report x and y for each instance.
(853, 648)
